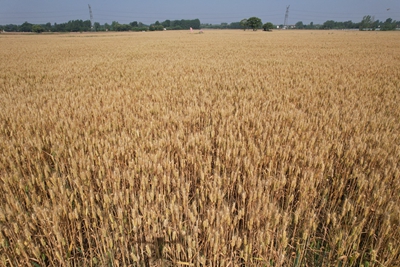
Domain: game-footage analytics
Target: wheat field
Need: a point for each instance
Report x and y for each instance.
(228, 148)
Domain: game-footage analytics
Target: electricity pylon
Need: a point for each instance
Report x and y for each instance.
(285, 24)
(91, 18)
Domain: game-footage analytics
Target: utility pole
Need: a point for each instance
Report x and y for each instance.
(91, 18)
(285, 24)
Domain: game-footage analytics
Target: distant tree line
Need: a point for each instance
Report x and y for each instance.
(70, 26)
(253, 23)
(86, 25)
(367, 23)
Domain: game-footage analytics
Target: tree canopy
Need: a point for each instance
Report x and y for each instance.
(268, 26)
(254, 23)
(389, 25)
(37, 28)
(244, 24)
(299, 25)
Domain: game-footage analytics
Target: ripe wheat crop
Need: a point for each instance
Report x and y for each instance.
(227, 148)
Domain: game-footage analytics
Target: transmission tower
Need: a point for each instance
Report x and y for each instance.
(285, 24)
(91, 17)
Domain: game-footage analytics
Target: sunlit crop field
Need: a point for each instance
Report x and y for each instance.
(228, 148)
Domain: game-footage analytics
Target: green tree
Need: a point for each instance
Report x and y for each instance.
(58, 27)
(184, 24)
(329, 24)
(389, 25)
(339, 25)
(114, 25)
(366, 22)
(268, 26)
(375, 24)
(96, 26)
(348, 24)
(235, 25)
(254, 23)
(195, 24)
(11, 28)
(47, 26)
(299, 25)
(155, 27)
(86, 25)
(25, 27)
(244, 24)
(166, 23)
(122, 27)
(37, 28)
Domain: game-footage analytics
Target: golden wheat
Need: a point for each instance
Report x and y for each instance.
(178, 149)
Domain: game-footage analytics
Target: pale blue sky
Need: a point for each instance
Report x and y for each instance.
(208, 11)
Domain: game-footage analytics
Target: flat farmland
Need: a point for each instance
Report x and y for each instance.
(228, 148)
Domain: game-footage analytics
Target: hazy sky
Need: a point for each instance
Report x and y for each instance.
(208, 11)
